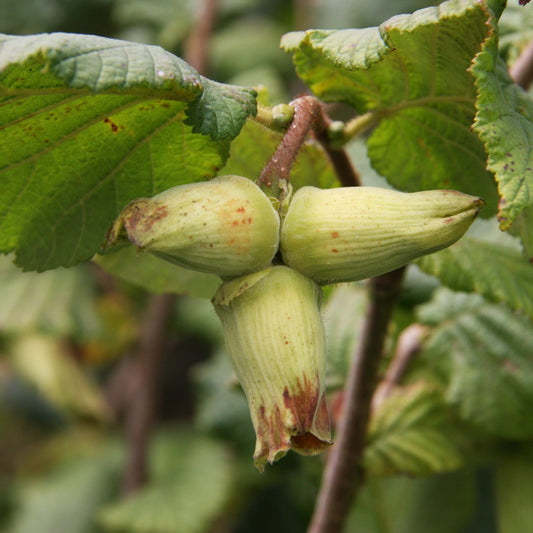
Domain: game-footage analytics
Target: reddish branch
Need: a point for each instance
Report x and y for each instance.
(141, 408)
(344, 474)
(308, 116)
(407, 348)
(522, 69)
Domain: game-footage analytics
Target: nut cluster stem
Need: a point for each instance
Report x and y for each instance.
(309, 117)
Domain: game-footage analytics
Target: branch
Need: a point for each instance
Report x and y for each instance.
(306, 111)
(141, 410)
(344, 475)
(346, 172)
(309, 116)
(407, 348)
(522, 69)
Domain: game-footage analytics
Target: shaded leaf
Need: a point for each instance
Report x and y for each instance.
(411, 75)
(504, 121)
(87, 125)
(191, 482)
(255, 146)
(157, 275)
(514, 493)
(483, 351)
(438, 504)
(498, 272)
(59, 301)
(66, 499)
(410, 433)
(51, 369)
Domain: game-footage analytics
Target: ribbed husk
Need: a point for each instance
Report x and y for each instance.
(275, 338)
(353, 233)
(226, 226)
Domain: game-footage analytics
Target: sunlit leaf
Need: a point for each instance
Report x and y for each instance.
(90, 123)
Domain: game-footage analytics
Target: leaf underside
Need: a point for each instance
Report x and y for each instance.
(411, 73)
(497, 272)
(484, 352)
(87, 124)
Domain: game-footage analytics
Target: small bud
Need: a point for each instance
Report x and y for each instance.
(275, 338)
(353, 233)
(224, 226)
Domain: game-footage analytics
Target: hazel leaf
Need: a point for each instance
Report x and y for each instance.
(90, 123)
(411, 76)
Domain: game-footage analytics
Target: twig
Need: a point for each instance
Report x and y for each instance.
(306, 111)
(309, 116)
(344, 475)
(140, 414)
(197, 45)
(407, 348)
(522, 69)
(346, 172)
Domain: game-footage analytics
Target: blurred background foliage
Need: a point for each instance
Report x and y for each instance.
(69, 353)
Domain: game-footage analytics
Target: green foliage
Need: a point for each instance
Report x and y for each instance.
(192, 481)
(410, 75)
(410, 434)
(484, 353)
(496, 271)
(504, 123)
(65, 500)
(92, 123)
(514, 493)
(252, 148)
(157, 275)
(89, 123)
(59, 301)
(438, 504)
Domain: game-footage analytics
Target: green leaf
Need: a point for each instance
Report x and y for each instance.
(60, 301)
(443, 503)
(410, 433)
(47, 364)
(504, 121)
(483, 351)
(88, 124)
(191, 482)
(66, 498)
(256, 144)
(514, 493)
(221, 110)
(523, 228)
(498, 272)
(157, 275)
(411, 76)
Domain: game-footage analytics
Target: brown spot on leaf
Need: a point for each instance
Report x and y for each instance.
(334, 250)
(334, 234)
(113, 126)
